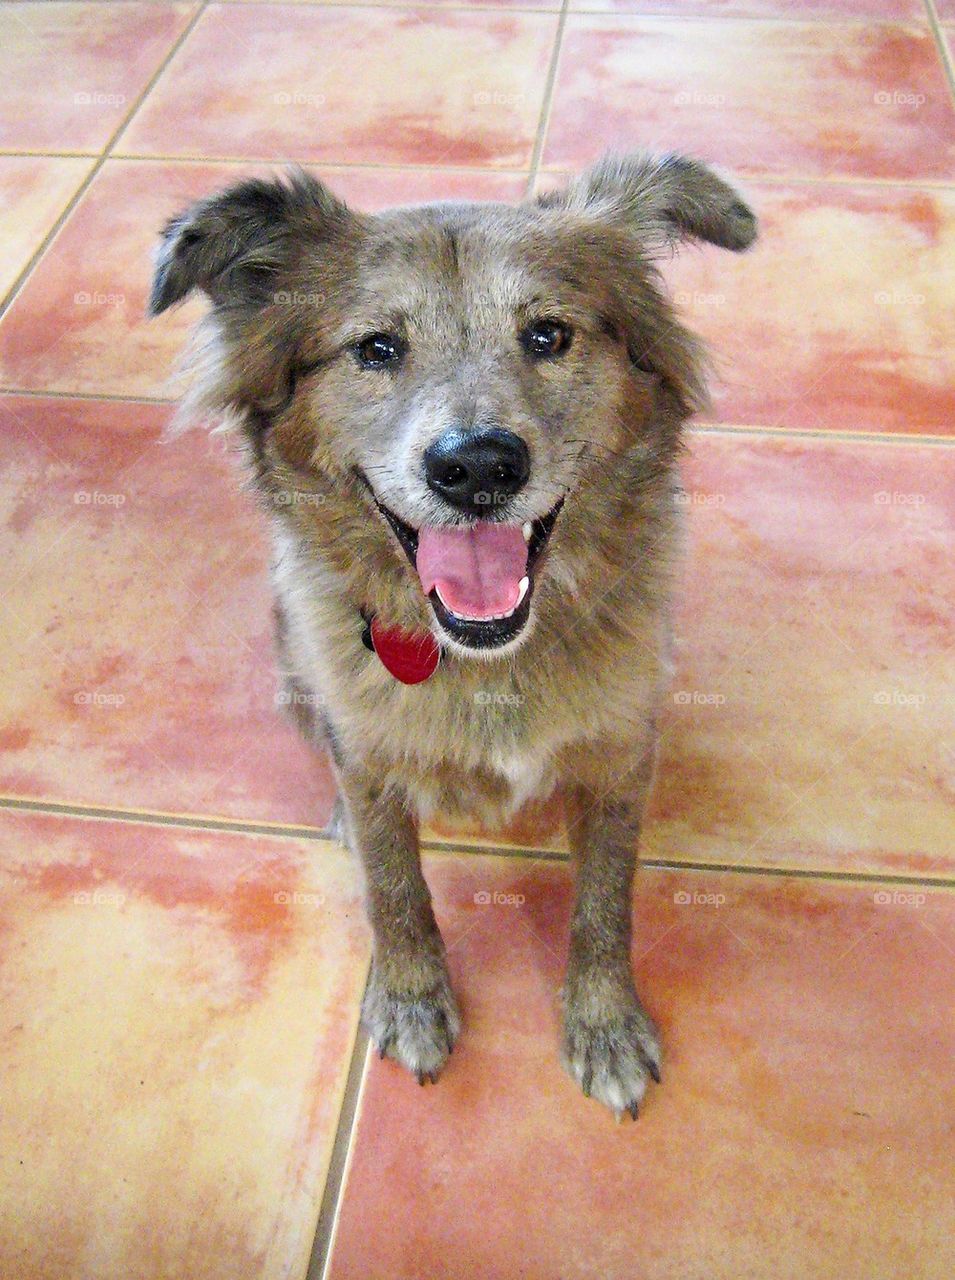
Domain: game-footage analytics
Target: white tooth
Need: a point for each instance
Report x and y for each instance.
(525, 584)
(528, 531)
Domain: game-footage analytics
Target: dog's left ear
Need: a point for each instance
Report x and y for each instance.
(662, 199)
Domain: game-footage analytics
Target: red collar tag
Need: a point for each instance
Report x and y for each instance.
(410, 656)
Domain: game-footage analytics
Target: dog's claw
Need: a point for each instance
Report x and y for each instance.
(634, 1110)
(587, 1082)
(654, 1070)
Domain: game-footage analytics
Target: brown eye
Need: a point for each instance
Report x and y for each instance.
(545, 339)
(379, 350)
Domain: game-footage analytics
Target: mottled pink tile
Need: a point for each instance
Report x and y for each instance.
(71, 73)
(803, 1126)
(839, 317)
(815, 99)
(179, 1013)
(356, 84)
(806, 10)
(34, 191)
(810, 719)
(136, 612)
(79, 323)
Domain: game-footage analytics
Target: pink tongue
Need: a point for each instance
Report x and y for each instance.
(477, 571)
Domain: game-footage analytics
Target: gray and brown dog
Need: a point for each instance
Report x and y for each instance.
(463, 420)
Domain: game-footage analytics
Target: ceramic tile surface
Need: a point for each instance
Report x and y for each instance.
(71, 73)
(818, 99)
(808, 1031)
(34, 191)
(335, 84)
(188, 1001)
(138, 661)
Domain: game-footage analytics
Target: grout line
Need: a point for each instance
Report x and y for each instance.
(149, 817)
(750, 176)
(944, 53)
(441, 846)
(340, 1158)
(83, 395)
(789, 19)
(819, 433)
(547, 102)
(104, 155)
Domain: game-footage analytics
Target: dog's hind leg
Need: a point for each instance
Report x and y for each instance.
(610, 1045)
(409, 1008)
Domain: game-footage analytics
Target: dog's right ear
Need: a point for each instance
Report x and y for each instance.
(233, 245)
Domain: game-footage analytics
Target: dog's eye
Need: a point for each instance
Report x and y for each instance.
(546, 338)
(378, 350)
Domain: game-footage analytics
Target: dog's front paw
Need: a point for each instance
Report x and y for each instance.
(417, 1029)
(612, 1049)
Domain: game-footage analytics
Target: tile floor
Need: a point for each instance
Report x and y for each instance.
(184, 1090)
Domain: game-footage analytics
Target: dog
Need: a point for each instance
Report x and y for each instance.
(464, 422)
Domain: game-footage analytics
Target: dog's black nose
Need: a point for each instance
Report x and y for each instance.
(477, 470)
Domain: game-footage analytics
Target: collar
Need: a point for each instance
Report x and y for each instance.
(410, 656)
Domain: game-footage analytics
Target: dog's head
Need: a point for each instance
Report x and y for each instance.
(485, 391)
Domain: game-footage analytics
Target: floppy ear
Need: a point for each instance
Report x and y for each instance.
(232, 245)
(662, 198)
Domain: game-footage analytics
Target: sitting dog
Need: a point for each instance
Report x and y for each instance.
(463, 420)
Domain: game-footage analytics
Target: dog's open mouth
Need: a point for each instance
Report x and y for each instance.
(478, 578)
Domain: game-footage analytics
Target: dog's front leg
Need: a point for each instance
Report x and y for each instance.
(610, 1045)
(409, 1008)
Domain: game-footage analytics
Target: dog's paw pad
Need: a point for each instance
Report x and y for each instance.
(613, 1060)
(419, 1031)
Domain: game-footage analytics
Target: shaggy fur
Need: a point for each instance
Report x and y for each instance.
(297, 281)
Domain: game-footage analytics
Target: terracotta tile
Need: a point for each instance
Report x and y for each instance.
(179, 1012)
(103, 56)
(34, 190)
(807, 10)
(136, 610)
(79, 323)
(810, 720)
(839, 318)
(804, 1115)
(354, 84)
(817, 99)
